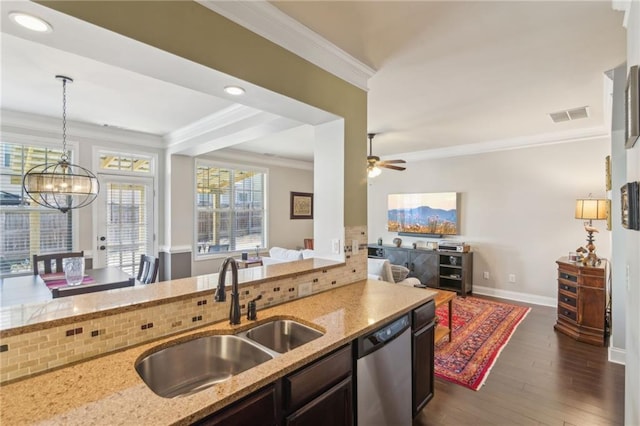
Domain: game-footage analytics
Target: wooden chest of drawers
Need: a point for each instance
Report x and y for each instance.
(582, 302)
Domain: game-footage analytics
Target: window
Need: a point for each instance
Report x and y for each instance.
(125, 162)
(230, 209)
(27, 228)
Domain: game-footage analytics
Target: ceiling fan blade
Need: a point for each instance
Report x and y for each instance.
(394, 161)
(389, 166)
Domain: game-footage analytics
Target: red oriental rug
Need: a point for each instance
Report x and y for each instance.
(481, 329)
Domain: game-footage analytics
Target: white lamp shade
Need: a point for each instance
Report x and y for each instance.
(591, 209)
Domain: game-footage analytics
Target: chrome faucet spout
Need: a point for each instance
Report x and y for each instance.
(234, 310)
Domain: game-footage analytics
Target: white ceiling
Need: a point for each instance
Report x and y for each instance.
(447, 73)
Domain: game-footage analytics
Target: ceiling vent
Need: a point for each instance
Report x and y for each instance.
(570, 114)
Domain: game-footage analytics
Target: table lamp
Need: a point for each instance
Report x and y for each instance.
(590, 209)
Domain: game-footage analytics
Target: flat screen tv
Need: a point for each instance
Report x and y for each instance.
(432, 214)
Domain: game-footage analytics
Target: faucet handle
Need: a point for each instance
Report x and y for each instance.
(251, 309)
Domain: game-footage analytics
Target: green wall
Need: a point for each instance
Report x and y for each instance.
(194, 32)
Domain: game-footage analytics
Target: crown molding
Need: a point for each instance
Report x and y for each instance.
(25, 127)
(269, 22)
(507, 144)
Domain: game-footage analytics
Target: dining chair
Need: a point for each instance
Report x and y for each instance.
(50, 259)
(148, 269)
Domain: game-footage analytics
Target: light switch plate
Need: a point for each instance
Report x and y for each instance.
(354, 246)
(335, 246)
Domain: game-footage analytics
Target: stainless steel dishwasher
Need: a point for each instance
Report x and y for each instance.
(383, 369)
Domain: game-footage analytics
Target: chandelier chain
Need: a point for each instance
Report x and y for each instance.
(64, 155)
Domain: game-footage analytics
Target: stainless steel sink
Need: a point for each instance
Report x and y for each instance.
(282, 335)
(197, 364)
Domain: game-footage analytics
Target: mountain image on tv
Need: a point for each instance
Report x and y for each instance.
(422, 219)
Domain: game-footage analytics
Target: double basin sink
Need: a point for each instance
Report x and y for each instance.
(193, 365)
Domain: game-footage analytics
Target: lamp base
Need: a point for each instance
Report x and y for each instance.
(591, 259)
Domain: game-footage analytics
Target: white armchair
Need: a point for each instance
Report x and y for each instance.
(382, 270)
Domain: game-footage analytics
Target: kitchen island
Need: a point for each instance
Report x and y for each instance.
(107, 389)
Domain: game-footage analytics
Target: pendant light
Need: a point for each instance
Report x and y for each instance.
(61, 185)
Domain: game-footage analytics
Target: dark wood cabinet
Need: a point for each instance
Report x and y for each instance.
(582, 311)
(259, 405)
(423, 326)
(333, 407)
(448, 270)
(422, 263)
(456, 272)
(321, 393)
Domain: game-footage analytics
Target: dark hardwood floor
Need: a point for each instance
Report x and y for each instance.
(541, 378)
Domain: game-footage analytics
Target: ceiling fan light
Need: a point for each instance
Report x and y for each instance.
(373, 171)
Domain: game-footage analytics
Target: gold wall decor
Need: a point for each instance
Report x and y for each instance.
(607, 164)
(608, 214)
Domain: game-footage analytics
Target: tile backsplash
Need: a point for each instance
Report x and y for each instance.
(46, 348)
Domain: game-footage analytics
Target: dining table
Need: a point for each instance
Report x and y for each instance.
(40, 288)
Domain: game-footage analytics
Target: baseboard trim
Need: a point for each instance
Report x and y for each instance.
(513, 295)
(617, 355)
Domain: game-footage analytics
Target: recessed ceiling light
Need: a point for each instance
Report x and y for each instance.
(234, 90)
(31, 22)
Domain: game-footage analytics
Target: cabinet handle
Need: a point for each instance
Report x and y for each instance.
(566, 299)
(566, 313)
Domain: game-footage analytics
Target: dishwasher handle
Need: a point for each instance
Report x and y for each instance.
(379, 338)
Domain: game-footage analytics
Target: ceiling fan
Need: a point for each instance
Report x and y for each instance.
(374, 164)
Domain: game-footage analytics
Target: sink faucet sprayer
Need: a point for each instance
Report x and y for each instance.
(234, 310)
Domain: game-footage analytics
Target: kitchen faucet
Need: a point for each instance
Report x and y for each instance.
(234, 310)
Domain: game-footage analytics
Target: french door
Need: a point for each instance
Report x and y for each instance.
(125, 228)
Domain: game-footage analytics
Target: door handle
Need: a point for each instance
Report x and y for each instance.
(103, 247)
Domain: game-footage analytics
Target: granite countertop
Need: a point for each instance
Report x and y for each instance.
(107, 390)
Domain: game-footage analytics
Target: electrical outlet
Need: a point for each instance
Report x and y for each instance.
(335, 246)
(304, 289)
(485, 275)
(354, 246)
(512, 278)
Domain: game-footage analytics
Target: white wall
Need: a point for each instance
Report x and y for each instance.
(517, 209)
(329, 189)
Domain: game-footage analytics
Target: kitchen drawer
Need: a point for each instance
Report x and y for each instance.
(567, 300)
(567, 313)
(423, 315)
(568, 288)
(304, 385)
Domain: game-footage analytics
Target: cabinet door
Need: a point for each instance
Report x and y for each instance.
(424, 266)
(591, 307)
(332, 408)
(423, 380)
(259, 405)
(397, 256)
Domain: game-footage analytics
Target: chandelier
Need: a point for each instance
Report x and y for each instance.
(61, 185)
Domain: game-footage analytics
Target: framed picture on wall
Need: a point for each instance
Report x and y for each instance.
(630, 208)
(632, 107)
(301, 205)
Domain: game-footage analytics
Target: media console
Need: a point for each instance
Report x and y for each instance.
(447, 270)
